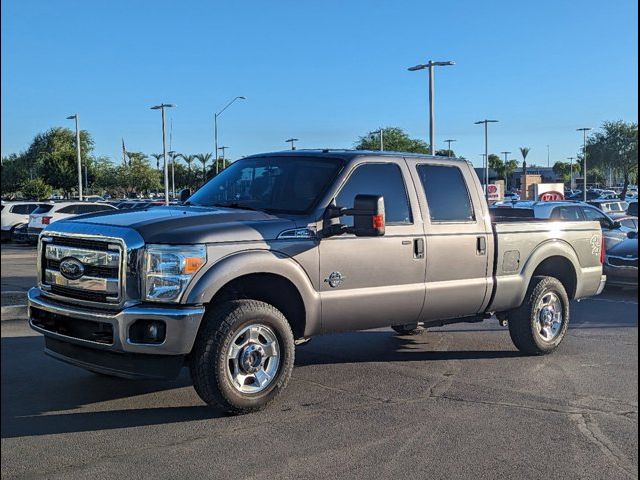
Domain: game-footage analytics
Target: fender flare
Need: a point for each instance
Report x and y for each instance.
(239, 264)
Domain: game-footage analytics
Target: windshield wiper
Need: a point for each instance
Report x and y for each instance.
(235, 205)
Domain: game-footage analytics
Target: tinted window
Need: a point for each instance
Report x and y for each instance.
(593, 214)
(629, 223)
(446, 192)
(567, 213)
(42, 209)
(378, 179)
(21, 209)
(273, 184)
(633, 209)
(70, 209)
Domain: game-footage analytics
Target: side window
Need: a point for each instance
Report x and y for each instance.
(70, 209)
(592, 214)
(567, 213)
(19, 209)
(31, 207)
(97, 208)
(447, 194)
(378, 179)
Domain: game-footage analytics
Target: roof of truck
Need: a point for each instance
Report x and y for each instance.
(348, 154)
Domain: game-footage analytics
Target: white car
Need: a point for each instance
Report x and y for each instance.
(47, 214)
(15, 214)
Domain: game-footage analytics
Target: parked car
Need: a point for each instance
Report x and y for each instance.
(571, 211)
(621, 263)
(511, 197)
(15, 214)
(47, 214)
(591, 195)
(627, 221)
(610, 206)
(285, 246)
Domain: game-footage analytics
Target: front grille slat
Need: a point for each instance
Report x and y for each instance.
(101, 280)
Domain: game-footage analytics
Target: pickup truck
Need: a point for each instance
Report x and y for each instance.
(281, 247)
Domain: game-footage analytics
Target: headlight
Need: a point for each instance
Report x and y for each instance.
(168, 269)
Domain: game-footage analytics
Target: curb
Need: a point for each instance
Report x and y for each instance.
(14, 312)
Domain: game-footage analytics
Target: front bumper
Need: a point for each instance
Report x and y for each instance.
(119, 355)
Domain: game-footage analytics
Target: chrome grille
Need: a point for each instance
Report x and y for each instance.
(101, 275)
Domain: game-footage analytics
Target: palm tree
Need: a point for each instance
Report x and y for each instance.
(524, 151)
(189, 160)
(157, 156)
(204, 158)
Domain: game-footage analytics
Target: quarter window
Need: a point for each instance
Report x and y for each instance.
(567, 213)
(378, 179)
(447, 194)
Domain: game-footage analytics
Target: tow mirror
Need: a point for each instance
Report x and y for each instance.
(185, 193)
(368, 217)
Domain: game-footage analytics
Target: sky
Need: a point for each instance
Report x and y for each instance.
(324, 72)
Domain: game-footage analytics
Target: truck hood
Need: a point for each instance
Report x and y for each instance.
(190, 224)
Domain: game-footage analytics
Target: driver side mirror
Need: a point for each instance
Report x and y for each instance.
(368, 217)
(185, 193)
(632, 235)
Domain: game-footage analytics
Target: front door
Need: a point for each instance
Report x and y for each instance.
(378, 281)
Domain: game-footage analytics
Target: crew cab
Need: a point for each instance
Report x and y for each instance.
(284, 246)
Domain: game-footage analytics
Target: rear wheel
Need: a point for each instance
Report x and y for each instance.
(540, 324)
(243, 356)
(409, 329)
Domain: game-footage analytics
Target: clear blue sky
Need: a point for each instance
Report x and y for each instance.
(324, 72)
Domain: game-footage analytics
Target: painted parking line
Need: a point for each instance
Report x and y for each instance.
(608, 300)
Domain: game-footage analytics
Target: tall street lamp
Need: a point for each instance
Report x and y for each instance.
(584, 131)
(292, 141)
(571, 159)
(449, 141)
(224, 149)
(432, 120)
(172, 156)
(486, 152)
(505, 164)
(78, 153)
(162, 107)
(215, 126)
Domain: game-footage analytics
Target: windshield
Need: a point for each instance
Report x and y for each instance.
(271, 184)
(44, 208)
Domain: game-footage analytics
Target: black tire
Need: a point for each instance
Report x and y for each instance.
(410, 329)
(523, 321)
(208, 361)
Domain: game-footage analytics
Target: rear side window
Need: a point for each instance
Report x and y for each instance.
(70, 209)
(567, 213)
(447, 194)
(23, 209)
(378, 179)
(92, 208)
(42, 209)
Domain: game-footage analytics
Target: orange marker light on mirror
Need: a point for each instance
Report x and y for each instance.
(378, 221)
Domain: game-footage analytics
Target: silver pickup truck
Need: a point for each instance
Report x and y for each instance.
(283, 246)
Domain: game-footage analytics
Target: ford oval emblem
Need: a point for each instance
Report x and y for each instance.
(71, 268)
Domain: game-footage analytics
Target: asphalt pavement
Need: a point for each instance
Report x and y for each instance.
(457, 402)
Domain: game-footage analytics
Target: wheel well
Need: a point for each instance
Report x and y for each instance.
(562, 269)
(269, 288)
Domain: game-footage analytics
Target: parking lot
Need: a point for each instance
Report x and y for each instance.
(457, 402)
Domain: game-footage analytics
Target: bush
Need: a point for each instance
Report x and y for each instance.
(36, 189)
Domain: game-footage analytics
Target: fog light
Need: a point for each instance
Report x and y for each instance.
(147, 331)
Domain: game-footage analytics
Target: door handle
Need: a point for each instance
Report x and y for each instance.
(418, 248)
(481, 245)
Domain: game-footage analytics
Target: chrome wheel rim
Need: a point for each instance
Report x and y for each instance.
(253, 358)
(549, 317)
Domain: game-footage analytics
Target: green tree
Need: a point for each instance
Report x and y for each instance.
(204, 158)
(138, 176)
(189, 159)
(395, 139)
(13, 173)
(52, 155)
(563, 170)
(157, 156)
(36, 189)
(615, 148)
(446, 153)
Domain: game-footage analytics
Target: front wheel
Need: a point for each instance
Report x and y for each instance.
(540, 324)
(243, 356)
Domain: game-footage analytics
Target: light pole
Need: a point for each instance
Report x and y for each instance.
(224, 149)
(78, 153)
(584, 131)
(486, 152)
(161, 107)
(505, 164)
(215, 126)
(173, 173)
(292, 141)
(449, 142)
(432, 119)
(548, 156)
(571, 159)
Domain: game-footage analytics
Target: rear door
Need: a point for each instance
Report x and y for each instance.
(459, 240)
(379, 281)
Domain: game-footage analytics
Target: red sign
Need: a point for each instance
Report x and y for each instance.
(551, 196)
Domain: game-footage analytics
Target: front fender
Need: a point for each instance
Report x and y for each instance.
(257, 261)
